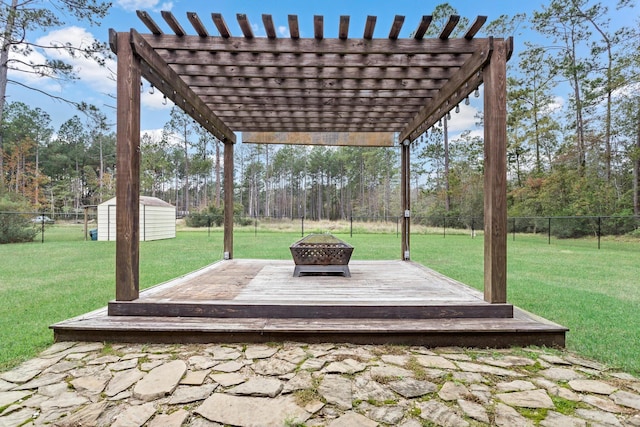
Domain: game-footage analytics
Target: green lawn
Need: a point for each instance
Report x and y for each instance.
(593, 292)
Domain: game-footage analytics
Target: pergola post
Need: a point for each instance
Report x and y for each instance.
(405, 184)
(128, 170)
(495, 176)
(228, 200)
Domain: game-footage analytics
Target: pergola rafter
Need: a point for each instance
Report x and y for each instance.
(314, 90)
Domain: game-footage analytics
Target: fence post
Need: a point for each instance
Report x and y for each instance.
(255, 225)
(444, 226)
(397, 226)
(42, 222)
(513, 229)
(473, 228)
(351, 226)
(549, 231)
(599, 230)
(302, 222)
(208, 225)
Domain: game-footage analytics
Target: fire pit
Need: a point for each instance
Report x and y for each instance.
(321, 254)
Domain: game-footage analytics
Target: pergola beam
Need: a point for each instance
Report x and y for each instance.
(323, 46)
(247, 59)
(458, 87)
(369, 27)
(357, 139)
(171, 85)
(285, 71)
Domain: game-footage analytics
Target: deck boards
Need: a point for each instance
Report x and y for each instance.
(259, 301)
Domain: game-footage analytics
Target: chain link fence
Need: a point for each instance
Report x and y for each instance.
(559, 227)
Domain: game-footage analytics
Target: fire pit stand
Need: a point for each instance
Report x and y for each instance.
(321, 254)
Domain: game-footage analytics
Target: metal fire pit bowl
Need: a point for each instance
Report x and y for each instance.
(321, 254)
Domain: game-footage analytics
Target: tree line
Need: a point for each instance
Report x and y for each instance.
(581, 157)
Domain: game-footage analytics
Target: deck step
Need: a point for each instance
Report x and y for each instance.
(307, 310)
(485, 332)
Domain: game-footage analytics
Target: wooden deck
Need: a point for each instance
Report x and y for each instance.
(245, 300)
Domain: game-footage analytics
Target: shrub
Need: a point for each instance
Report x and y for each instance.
(15, 227)
(211, 216)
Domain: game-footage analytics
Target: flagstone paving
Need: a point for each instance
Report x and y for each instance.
(289, 384)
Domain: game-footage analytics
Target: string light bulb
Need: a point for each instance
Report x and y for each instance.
(476, 93)
(466, 101)
(449, 115)
(151, 90)
(457, 108)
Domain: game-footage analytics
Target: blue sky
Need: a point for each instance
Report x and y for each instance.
(96, 84)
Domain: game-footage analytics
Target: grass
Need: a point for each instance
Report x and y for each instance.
(593, 292)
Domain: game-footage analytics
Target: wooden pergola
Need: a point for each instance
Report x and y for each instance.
(335, 91)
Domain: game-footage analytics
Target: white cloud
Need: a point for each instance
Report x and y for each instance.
(155, 100)
(464, 120)
(133, 5)
(556, 105)
(283, 31)
(89, 71)
(155, 134)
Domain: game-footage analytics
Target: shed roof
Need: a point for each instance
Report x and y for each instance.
(270, 88)
(144, 200)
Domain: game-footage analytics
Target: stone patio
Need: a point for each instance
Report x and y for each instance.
(93, 384)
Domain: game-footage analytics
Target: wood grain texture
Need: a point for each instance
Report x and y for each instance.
(323, 138)
(495, 177)
(383, 302)
(128, 171)
(228, 199)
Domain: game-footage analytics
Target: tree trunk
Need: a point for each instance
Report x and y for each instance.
(4, 58)
(636, 169)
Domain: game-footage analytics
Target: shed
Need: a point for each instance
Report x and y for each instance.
(157, 219)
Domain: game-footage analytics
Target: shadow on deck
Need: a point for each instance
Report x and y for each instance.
(383, 302)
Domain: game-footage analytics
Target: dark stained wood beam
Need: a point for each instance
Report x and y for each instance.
(248, 59)
(314, 46)
(288, 84)
(149, 22)
(128, 169)
(245, 26)
(277, 96)
(425, 22)
(221, 25)
(312, 119)
(269, 27)
(173, 23)
(234, 104)
(405, 198)
(396, 27)
(228, 201)
(169, 83)
(316, 127)
(495, 175)
(318, 27)
(458, 87)
(360, 139)
(197, 24)
(449, 27)
(343, 29)
(369, 27)
(294, 28)
(328, 72)
(327, 113)
(475, 27)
